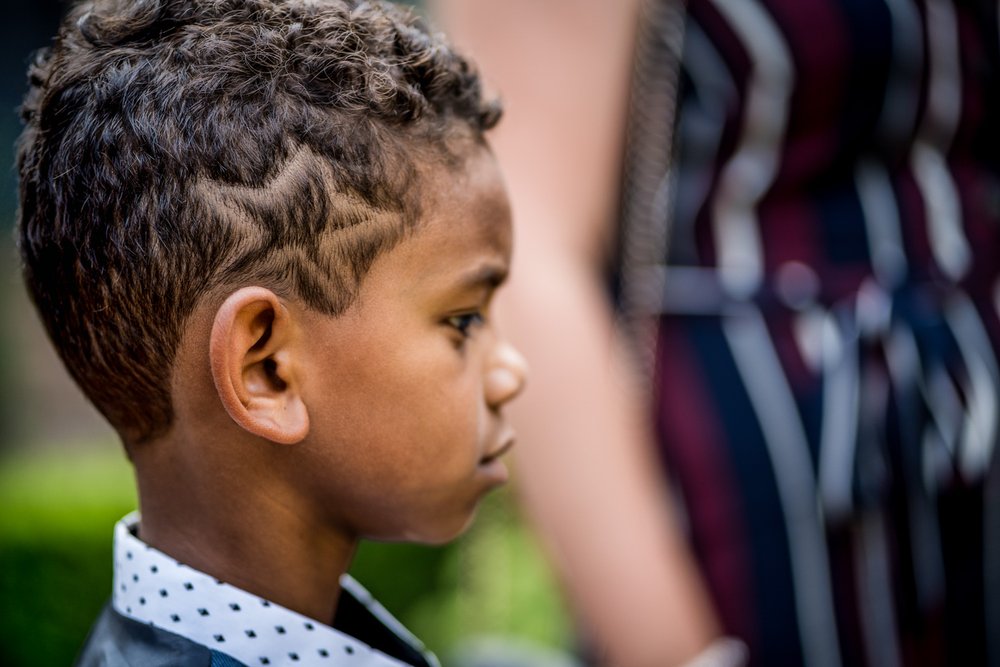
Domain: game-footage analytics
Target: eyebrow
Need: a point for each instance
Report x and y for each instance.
(489, 275)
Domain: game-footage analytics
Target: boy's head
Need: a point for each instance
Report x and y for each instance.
(176, 147)
(283, 209)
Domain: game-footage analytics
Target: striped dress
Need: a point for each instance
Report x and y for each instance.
(829, 323)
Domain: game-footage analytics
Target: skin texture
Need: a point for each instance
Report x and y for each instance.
(562, 68)
(297, 433)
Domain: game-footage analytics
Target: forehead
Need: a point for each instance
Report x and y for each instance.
(465, 218)
(466, 200)
(460, 246)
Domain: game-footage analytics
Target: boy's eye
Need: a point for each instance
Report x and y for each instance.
(465, 322)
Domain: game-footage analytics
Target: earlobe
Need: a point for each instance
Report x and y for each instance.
(253, 364)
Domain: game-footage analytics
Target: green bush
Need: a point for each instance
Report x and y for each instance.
(56, 518)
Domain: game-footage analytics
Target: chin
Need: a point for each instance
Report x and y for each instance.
(440, 531)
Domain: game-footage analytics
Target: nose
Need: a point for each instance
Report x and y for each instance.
(506, 376)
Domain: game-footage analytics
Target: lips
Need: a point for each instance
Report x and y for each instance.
(498, 451)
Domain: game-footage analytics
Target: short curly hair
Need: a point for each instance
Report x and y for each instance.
(174, 147)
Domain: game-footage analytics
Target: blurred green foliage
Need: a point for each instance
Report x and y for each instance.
(57, 511)
(56, 514)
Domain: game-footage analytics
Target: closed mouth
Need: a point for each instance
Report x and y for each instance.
(498, 452)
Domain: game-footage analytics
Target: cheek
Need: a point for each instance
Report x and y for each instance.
(410, 412)
(433, 431)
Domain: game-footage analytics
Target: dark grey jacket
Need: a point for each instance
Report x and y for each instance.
(118, 641)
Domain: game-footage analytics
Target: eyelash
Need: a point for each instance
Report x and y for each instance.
(465, 322)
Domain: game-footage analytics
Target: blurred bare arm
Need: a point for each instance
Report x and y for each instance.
(586, 468)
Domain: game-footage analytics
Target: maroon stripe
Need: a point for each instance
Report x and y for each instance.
(816, 35)
(692, 442)
(979, 194)
(790, 229)
(975, 80)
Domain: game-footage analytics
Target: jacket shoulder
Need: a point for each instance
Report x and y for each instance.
(118, 641)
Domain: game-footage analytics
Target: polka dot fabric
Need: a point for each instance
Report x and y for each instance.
(153, 588)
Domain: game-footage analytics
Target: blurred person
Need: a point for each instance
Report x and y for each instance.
(814, 259)
(264, 238)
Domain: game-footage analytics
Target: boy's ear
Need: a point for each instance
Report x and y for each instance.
(253, 362)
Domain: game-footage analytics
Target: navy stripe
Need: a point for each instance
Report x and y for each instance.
(770, 567)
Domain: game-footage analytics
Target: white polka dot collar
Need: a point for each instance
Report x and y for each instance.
(153, 588)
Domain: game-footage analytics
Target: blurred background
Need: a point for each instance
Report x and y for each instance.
(64, 480)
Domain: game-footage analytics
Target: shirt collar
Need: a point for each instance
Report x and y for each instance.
(153, 588)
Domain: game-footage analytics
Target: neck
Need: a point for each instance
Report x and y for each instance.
(252, 536)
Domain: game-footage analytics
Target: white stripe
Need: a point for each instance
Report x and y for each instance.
(808, 328)
(944, 90)
(874, 590)
(881, 214)
(362, 595)
(944, 99)
(902, 91)
(839, 435)
(980, 433)
(689, 290)
(979, 445)
(948, 243)
(701, 124)
(788, 448)
(944, 403)
(746, 177)
(903, 361)
(941, 398)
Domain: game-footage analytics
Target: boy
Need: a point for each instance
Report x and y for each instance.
(264, 236)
